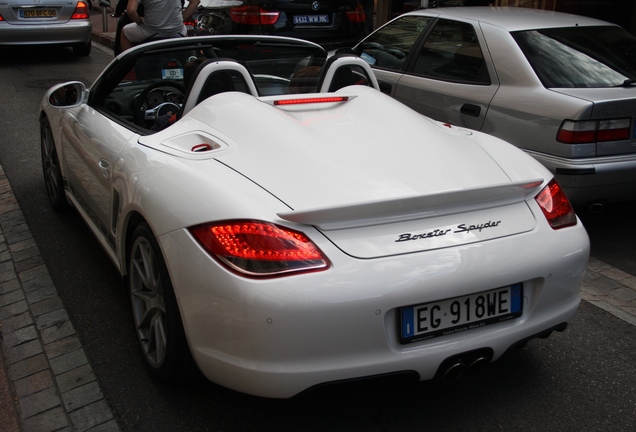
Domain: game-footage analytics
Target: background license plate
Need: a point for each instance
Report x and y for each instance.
(37, 13)
(459, 314)
(311, 19)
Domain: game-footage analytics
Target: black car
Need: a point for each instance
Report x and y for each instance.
(329, 23)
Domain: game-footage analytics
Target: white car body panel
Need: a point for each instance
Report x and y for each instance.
(355, 177)
(277, 338)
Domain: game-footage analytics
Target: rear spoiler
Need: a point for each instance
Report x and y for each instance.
(411, 208)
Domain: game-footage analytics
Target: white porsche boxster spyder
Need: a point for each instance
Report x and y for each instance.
(284, 224)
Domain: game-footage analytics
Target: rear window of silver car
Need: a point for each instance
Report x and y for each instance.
(580, 57)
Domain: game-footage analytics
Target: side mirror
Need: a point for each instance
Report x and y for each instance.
(67, 94)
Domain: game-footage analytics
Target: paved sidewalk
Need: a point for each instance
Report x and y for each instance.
(42, 361)
(610, 289)
(46, 382)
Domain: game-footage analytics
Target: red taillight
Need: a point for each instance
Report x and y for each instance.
(81, 11)
(613, 130)
(357, 15)
(260, 249)
(555, 206)
(591, 131)
(1, 19)
(253, 15)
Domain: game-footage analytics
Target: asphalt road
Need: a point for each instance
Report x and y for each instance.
(582, 379)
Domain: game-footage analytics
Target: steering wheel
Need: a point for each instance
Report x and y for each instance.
(143, 116)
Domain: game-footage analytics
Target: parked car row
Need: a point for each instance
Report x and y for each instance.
(284, 224)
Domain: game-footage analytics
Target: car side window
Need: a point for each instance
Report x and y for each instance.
(452, 53)
(389, 46)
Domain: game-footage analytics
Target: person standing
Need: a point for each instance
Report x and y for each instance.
(123, 20)
(162, 18)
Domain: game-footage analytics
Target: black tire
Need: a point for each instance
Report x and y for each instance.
(155, 312)
(82, 50)
(51, 168)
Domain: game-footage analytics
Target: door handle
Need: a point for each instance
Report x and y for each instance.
(104, 167)
(470, 109)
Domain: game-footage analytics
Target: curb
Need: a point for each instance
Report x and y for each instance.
(104, 38)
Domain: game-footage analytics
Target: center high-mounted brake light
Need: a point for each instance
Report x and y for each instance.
(301, 101)
(253, 15)
(592, 131)
(555, 206)
(260, 249)
(81, 11)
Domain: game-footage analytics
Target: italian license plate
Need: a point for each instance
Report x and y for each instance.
(311, 19)
(446, 317)
(38, 13)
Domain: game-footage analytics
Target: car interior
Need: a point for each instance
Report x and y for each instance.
(170, 81)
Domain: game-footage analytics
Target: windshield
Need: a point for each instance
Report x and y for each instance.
(580, 57)
(145, 86)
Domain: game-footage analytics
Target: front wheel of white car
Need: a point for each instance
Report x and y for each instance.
(155, 312)
(51, 168)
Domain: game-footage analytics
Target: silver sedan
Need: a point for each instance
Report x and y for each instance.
(561, 87)
(25, 22)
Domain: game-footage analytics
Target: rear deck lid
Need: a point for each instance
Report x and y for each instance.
(376, 177)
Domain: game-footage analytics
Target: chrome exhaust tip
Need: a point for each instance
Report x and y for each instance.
(456, 371)
(479, 365)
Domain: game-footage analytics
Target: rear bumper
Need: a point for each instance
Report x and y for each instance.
(276, 338)
(606, 179)
(70, 33)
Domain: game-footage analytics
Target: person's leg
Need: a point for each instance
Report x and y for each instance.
(121, 22)
(131, 35)
(125, 43)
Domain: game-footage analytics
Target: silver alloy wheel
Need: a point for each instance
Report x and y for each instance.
(51, 167)
(148, 304)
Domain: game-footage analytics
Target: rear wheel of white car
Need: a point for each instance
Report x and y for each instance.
(155, 312)
(51, 168)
